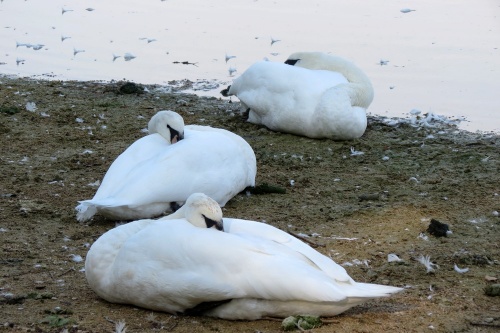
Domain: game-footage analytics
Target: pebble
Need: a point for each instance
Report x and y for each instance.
(438, 229)
(492, 290)
(369, 197)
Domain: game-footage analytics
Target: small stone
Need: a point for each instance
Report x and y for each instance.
(131, 88)
(438, 229)
(9, 110)
(492, 290)
(369, 197)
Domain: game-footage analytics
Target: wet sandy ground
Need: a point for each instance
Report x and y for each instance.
(357, 207)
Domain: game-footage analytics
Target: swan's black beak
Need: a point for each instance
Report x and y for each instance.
(219, 225)
(175, 136)
(291, 61)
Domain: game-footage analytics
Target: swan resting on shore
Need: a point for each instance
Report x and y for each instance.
(196, 262)
(162, 169)
(312, 94)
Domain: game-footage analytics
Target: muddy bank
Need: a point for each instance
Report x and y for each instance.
(359, 200)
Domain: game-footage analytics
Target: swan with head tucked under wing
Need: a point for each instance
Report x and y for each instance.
(163, 168)
(313, 94)
(181, 264)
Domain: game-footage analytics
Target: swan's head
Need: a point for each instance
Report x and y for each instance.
(318, 60)
(203, 211)
(310, 60)
(168, 124)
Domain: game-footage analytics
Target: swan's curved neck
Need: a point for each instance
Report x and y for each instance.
(360, 88)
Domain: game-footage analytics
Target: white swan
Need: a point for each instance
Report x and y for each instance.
(153, 174)
(249, 271)
(318, 96)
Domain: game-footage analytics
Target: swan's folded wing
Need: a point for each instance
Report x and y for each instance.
(268, 232)
(141, 150)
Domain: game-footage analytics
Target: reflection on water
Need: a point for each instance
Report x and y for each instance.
(443, 57)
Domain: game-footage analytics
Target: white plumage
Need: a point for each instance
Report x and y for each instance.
(153, 172)
(252, 269)
(313, 94)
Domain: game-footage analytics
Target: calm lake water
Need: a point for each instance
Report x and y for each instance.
(441, 57)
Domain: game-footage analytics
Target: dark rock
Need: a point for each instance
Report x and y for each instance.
(131, 88)
(369, 197)
(438, 229)
(492, 290)
(9, 110)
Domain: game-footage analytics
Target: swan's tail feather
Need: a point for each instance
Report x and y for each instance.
(85, 211)
(369, 290)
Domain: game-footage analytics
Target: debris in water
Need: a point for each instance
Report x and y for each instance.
(128, 56)
(186, 63)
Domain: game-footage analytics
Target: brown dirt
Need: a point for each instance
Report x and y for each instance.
(359, 208)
